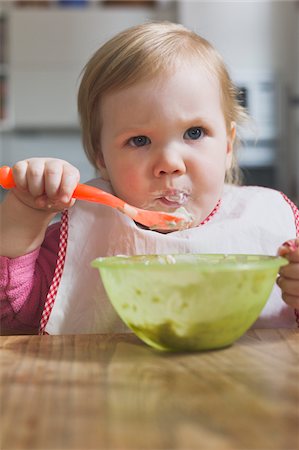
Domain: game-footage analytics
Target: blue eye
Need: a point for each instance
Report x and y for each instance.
(139, 141)
(194, 133)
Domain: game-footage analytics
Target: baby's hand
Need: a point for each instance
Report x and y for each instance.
(45, 183)
(288, 280)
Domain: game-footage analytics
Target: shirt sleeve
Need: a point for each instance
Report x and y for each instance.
(24, 284)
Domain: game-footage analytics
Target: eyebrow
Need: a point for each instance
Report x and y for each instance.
(185, 123)
(131, 132)
(198, 120)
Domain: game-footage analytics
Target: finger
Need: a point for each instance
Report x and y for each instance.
(290, 271)
(19, 174)
(52, 205)
(290, 250)
(69, 181)
(291, 300)
(292, 257)
(289, 286)
(35, 177)
(53, 176)
(43, 202)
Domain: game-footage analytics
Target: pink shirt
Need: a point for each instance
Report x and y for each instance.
(24, 285)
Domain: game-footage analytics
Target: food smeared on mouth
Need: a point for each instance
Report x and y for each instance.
(173, 198)
(176, 197)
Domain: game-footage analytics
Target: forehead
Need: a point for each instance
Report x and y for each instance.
(188, 86)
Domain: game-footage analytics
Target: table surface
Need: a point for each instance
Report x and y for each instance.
(114, 392)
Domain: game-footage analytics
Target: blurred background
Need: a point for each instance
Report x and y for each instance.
(45, 44)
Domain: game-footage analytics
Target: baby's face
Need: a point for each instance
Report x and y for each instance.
(164, 142)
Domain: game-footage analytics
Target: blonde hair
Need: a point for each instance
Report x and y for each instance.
(139, 53)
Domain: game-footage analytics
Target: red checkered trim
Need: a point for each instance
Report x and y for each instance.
(295, 212)
(50, 300)
(296, 216)
(212, 213)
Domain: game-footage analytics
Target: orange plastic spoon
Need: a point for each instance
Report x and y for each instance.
(152, 219)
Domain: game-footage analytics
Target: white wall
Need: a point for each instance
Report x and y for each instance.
(249, 34)
(57, 144)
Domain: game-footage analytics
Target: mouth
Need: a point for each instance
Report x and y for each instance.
(173, 198)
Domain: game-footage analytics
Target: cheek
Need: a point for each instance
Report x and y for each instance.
(127, 180)
(210, 168)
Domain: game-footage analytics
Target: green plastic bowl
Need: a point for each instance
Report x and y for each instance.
(189, 302)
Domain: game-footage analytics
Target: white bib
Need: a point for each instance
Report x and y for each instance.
(250, 220)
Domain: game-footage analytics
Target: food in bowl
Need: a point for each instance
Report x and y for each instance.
(189, 302)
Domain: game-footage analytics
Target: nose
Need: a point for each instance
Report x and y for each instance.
(169, 162)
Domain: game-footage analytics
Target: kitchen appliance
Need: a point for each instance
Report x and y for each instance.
(259, 154)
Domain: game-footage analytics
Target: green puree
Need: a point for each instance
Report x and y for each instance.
(164, 337)
(201, 336)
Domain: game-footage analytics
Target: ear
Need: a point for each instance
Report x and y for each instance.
(230, 144)
(102, 167)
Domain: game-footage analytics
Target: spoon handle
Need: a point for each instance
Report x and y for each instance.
(6, 178)
(94, 194)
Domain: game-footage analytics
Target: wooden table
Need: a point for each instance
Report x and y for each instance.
(113, 392)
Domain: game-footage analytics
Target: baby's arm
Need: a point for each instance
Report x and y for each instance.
(288, 279)
(43, 187)
(24, 285)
